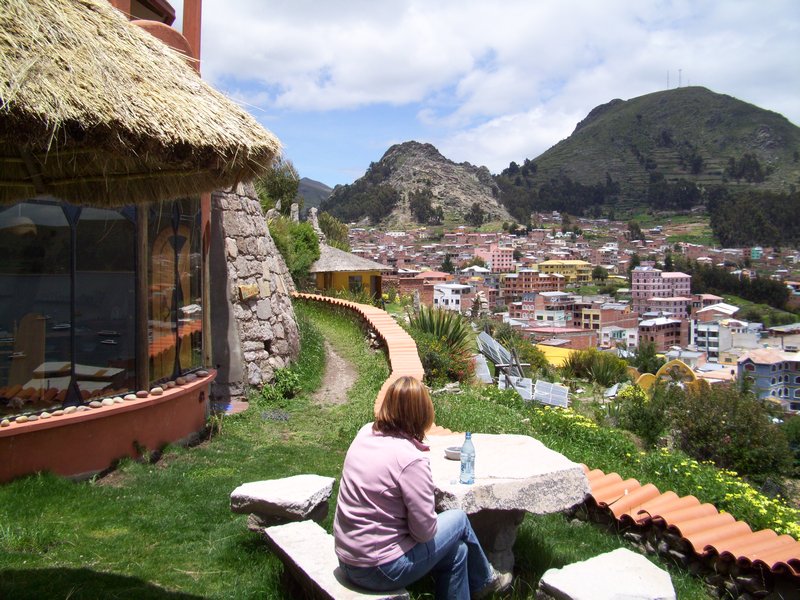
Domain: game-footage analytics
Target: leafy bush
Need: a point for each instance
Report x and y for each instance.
(646, 417)
(601, 367)
(791, 429)
(444, 344)
(298, 245)
(284, 386)
(732, 428)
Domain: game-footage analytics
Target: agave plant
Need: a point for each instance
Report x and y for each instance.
(446, 325)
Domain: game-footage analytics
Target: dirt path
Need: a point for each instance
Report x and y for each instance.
(339, 377)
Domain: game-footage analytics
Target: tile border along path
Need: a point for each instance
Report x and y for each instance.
(705, 531)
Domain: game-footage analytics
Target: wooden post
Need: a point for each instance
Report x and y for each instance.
(142, 300)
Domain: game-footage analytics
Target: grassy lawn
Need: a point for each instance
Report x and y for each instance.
(771, 316)
(163, 529)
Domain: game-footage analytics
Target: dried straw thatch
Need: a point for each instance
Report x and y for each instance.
(332, 260)
(95, 110)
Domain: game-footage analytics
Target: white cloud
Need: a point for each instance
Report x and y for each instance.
(509, 79)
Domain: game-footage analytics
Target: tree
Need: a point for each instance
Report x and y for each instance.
(335, 231)
(475, 261)
(475, 216)
(599, 273)
(635, 262)
(447, 264)
(635, 231)
(279, 184)
(669, 265)
(646, 358)
(420, 204)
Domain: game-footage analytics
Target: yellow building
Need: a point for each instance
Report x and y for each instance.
(574, 271)
(339, 270)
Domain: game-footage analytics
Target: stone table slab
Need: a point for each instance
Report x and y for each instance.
(512, 472)
(514, 475)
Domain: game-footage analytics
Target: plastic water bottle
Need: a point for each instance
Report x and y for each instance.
(467, 460)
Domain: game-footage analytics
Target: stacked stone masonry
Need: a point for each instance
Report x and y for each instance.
(251, 296)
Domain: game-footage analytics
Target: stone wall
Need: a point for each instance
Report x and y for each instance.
(253, 326)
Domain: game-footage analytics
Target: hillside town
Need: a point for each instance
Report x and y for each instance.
(599, 288)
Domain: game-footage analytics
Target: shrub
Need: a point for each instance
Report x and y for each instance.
(298, 245)
(284, 386)
(444, 324)
(646, 417)
(526, 351)
(601, 367)
(791, 429)
(444, 344)
(732, 428)
(441, 362)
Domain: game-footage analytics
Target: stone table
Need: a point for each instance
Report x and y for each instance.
(514, 475)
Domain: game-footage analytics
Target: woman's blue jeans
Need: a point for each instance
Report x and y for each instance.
(454, 557)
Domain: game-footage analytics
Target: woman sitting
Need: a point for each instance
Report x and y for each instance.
(387, 532)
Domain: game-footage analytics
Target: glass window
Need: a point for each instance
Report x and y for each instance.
(354, 283)
(66, 328)
(174, 277)
(105, 301)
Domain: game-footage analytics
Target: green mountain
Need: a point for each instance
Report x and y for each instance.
(312, 192)
(664, 150)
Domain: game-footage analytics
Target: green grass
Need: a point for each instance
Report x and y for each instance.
(770, 315)
(164, 530)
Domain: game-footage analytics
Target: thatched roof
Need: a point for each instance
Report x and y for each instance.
(95, 110)
(334, 260)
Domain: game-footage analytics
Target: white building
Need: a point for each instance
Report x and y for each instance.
(452, 296)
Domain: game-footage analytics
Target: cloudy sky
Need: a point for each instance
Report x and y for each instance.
(339, 81)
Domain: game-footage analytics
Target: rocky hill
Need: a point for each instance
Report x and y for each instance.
(660, 150)
(413, 183)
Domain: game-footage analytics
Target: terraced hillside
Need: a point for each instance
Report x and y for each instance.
(626, 153)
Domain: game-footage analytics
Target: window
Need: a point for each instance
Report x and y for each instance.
(68, 333)
(354, 283)
(174, 302)
(751, 367)
(67, 330)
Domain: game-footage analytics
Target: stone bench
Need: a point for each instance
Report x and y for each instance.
(307, 551)
(609, 576)
(278, 501)
(284, 511)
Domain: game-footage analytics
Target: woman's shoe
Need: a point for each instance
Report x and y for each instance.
(500, 583)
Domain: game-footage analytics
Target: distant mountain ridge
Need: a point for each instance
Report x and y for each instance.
(312, 192)
(657, 150)
(668, 150)
(387, 190)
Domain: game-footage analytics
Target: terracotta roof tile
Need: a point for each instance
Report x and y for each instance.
(702, 526)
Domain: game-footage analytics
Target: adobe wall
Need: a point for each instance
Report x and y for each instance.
(253, 326)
